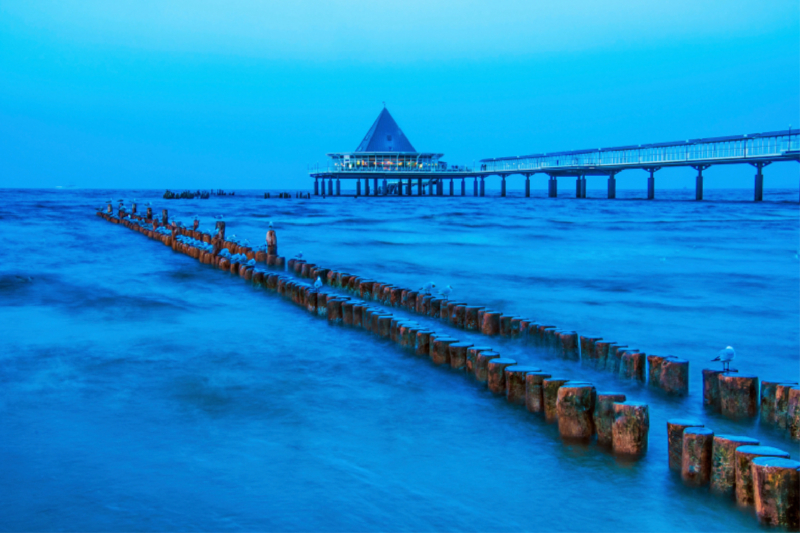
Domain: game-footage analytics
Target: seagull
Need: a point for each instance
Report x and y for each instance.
(318, 283)
(251, 263)
(299, 256)
(725, 357)
(270, 224)
(428, 287)
(446, 291)
(219, 217)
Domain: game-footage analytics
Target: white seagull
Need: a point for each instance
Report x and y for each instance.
(318, 283)
(446, 291)
(725, 357)
(270, 224)
(299, 256)
(428, 287)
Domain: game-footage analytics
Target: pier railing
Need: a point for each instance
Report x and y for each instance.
(732, 149)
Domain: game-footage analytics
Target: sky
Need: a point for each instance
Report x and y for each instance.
(249, 94)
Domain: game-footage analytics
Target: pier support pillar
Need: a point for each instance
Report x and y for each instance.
(358, 187)
(583, 186)
(612, 187)
(451, 187)
(385, 187)
(463, 186)
(759, 189)
(408, 188)
(552, 187)
(375, 186)
(400, 187)
(440, 187)
(698, 194)
(316, 186)
(651, 185)
(483, 187)
(527, 186)
(419, 186)
(503, 186)
(578, 187)
(475, 187)
(338, 187)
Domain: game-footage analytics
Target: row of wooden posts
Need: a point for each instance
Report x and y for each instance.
(761, 476)
(580, 411)
(737, 467)
(734, 395)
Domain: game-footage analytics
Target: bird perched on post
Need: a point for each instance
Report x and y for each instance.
(318, 283)
(299, 256)
(725, 357)
(428, 287)
(445, 293)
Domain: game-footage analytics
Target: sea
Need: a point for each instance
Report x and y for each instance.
(143, 391)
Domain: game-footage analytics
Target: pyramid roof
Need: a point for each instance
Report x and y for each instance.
(385, 136)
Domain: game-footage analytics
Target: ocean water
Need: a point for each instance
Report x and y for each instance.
(144, 391)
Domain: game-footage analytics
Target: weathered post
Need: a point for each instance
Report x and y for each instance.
(743, 459)
(711, 388)
(631, 427)
(575, 410)
(738, 395)
(604, 416)
(776, 491)
(482, 364)
(675, 428)
(534, 391)
(458, 355)
(515, 382)
(696, 456)
(496, 376)
(723, 470)
(550, 388)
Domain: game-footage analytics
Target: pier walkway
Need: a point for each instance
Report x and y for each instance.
(389, 178)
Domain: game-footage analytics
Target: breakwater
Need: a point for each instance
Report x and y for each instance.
(568, 399)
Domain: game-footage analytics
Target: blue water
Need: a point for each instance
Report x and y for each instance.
(144, 391)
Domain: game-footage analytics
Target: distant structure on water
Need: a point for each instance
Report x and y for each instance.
(387, 159)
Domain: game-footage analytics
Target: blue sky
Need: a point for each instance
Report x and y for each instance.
(247, 94)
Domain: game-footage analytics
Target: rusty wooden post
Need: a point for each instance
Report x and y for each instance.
(482, 364)
(440, 350)
(458, 355)
(515, 382)
(711, 388)
(423, 343)
(472, 356)
(575, 410)
(588, 350)
(776, 492)
(495, 373)
(631, 428)
(723, 471)
(491, 323)
(793, 413)
(604, 416)
(743, 457)
(696, 456)
(471, 322)
(738, 395)
(550, 388)
(534, 391)
(675, 427)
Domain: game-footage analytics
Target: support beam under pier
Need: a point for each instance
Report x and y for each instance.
(358, 187)
(463, 186)
(451, 187)
(316, 186)
(552, 187)
(759, 189)
(698, 192)
(338, 187)
(330, 187)
(419, 186)
(483, 187)
(503, 186)
(375, 186)
(527, 186)
(612, 187)
(651, 184)
(475, 187)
